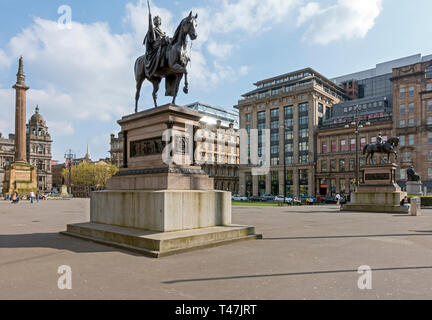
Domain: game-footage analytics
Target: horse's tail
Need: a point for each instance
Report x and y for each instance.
(365, 148)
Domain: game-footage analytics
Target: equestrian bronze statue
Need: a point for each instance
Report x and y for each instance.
(165, 58)
(389, 147)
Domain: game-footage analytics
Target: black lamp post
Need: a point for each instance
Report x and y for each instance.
(357, 124)
(70, 156)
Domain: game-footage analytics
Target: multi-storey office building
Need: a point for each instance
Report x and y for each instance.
(412, 119)
(293, 105)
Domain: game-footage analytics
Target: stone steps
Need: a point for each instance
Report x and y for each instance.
(160, 244)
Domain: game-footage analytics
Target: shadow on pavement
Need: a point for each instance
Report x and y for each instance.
(54, 241)
(353, 236)
(292, 274)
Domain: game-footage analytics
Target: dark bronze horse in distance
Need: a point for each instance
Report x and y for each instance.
(388, 147)
(174, 63)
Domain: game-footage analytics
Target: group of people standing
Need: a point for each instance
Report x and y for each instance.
(15, 198)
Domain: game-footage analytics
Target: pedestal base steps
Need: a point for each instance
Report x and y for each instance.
(379, 192)
(160, 244)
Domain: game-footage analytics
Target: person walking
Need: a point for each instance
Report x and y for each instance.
(32, 197)
(338, 197)
(14, 197)
(37, 196)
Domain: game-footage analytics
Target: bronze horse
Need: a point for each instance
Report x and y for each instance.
(173, 63)
(388, 147)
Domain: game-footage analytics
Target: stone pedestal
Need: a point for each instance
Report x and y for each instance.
(161, 203)
(20, 177)
(379, 191)
(414, 188)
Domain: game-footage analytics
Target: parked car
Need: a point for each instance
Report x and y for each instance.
(255, 198)
(268, 197)
(329, 200)
(320, 199)
(294, 202)
(281, 199)
(237, 197)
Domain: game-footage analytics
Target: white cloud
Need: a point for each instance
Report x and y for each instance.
(220, 50)
(4, 59)
(346, 19)
(61, 128)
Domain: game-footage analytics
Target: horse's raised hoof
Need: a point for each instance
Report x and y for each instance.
(185, 90)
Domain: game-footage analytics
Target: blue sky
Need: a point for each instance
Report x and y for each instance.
(82, 78)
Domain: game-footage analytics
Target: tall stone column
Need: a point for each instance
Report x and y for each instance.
(20, 114)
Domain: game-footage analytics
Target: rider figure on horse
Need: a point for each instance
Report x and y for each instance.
(379, 142)
(156, 42)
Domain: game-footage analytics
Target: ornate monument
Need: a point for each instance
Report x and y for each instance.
(414, 184)
(161, 202)
(20, 176)
(379, 191)
(165, 58)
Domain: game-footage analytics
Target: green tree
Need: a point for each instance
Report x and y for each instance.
(93, 176)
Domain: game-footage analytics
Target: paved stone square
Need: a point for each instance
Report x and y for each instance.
(307, 253)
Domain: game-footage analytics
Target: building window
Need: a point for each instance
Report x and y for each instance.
(428, 72)
(274, 161)
(411, 139)
(248, 117)
(274, 113)
(402, 124)
(402, 174)
(261, 115)
(320, 108)
(411, 108)
(429, 173)
(342, 165)
(429, 87)
(304, 159)
(289, 147)
(402, 140)
(324, 147)
(362, 142)
(411, 91)
(289, 160)
(411, 122)
(402, 109)
(402, 93)
(289, 135)
(430, 155)
(323, 165)
(429, 137)
(353, 144)
(352, 164)
(343, 146)
(248, 128)
(303, 121)
(304, 133)
(288, 110)
(333, 146)
(429, 121)
(289, 123)
(429, 105)
(304, 146)
(406, 156)
(332, 165)
(303, 107)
